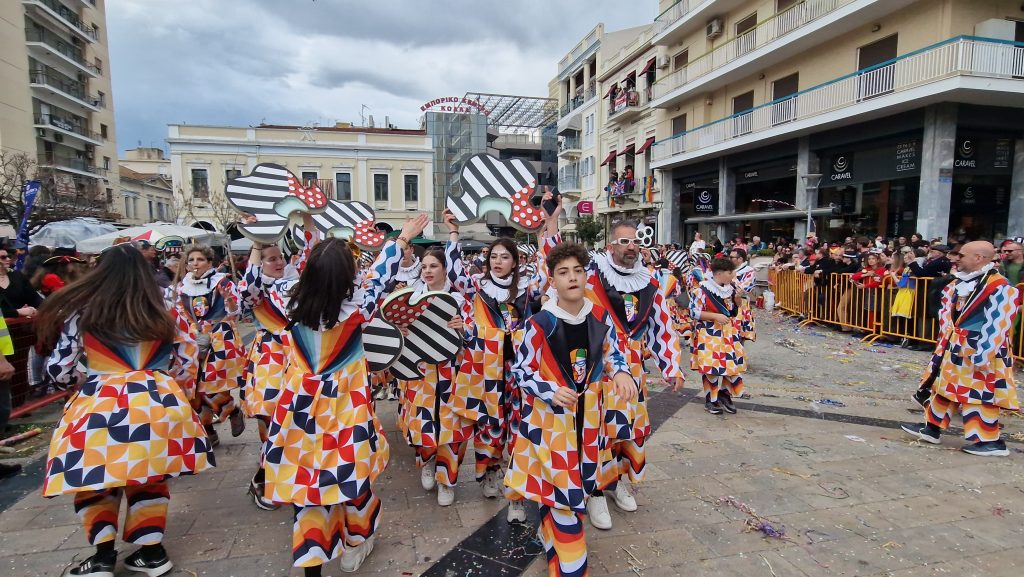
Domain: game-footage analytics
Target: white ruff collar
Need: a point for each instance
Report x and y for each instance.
(724, 292)
(409, 274)
(624, 280)
(194, 287)
(968, 281)
(498, 288)
(560, 313)
(420, 287)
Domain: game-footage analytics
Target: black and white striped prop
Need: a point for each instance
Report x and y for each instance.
(493, 185)
(348, 220)
(383, 344)
(677, 258)
(429, 340)
(527, 249)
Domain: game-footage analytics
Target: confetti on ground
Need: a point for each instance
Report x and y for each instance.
(1000, 511)
(855, 438)
(890, 545)
(792, 473)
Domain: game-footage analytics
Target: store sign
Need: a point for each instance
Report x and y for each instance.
(705, 201)
(1003, 153)
(454, 105)
(842, 167)
(907, 156)
(965, 155)
(585, 207)
(983, 155)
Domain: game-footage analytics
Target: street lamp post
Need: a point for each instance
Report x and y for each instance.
(811, 182)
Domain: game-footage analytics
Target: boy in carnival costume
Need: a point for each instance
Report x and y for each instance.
(717, 341)
(567, 349)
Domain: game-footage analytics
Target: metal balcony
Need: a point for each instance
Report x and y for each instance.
(569, 147)
(59, 12)
(67, 90)
(72, 165)
(67, 127)
(42, 43)
(963, 64)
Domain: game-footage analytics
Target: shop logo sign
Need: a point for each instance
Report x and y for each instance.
(706, 201)
(969, 196)
(841, 168)
(965, 154)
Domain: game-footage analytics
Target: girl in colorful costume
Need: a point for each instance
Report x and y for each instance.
(717, 341)
(130, 426)
(326, 446)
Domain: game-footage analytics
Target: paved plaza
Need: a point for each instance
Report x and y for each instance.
(811, 478)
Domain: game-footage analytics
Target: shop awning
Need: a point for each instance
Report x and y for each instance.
(775, 215)
(629, 150)
(647, 67)
(643, 147)
(611, 157)
(610, 90)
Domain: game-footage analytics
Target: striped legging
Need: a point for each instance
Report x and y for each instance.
(144, 522)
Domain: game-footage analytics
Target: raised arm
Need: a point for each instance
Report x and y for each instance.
(385, 267)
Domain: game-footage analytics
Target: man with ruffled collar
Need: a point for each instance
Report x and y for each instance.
(618, 282)
(971, 370)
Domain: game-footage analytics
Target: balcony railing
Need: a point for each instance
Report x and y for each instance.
(67, 124)
(69, 162)
(578, 51)
(58, 45)
(673, 13)
(65, 85)
(959, 56)
(779, 25)
(579, 100)
(569, 182)
(625, 101)
(69, 16)
(569, 143)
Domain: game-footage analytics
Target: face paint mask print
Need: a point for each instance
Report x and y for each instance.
(631, 307)
(578, 358)
(508, 314)
(200, 306)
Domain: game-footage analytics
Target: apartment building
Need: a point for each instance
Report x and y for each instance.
(875, 116)
(388, 168)
(55, 100)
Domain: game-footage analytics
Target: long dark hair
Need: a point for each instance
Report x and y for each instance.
(328, 280)
(511, 247)
(118, 301)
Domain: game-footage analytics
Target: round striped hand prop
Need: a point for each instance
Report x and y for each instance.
(429, 340)
(493, 185)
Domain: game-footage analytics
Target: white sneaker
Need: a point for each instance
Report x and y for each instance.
(352, 558)
(623, 498)
(492, 484)
(427, 475)
(516, 512)
(445, 495)
(597, 512)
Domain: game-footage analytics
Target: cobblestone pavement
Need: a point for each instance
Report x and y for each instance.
(815, 452)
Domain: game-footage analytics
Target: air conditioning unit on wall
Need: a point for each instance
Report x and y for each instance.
(715, 28)
(663, 62)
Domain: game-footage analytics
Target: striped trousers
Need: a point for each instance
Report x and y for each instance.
(713, 385)
(320, 533)
(449, 457)
(144, 523)
(565, 544)
(981, 422)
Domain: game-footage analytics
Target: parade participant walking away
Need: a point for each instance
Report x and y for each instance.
(568, 349)
(130, 427)
(436, 416)
(501, 303)
(326, 447)
(746, 279)
(971, 370)
(716, 344)
(265, 366)
(208, 301)
(621, 285)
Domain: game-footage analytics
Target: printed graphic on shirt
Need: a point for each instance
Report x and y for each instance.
(200, 306)
(632, 307)
(508, 313)
(578, 358)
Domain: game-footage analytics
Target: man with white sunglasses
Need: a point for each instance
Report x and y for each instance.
(620, 283)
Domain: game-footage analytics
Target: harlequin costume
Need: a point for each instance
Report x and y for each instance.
(127, 429)
(557, 457)
(221, 357)
(495, 329)
(636, 305)
(971, 370)
(717, 349)
(746, 280)
(326, 445)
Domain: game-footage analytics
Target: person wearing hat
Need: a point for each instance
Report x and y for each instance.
(936, 264)
(149, 252)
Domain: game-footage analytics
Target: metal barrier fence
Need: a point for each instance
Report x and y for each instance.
(902, 313)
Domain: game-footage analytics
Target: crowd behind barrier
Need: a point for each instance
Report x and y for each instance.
(909, 312)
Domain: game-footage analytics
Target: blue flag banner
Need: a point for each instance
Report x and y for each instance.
(30, 191)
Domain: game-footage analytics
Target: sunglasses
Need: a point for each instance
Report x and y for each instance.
(5, 257)
(626, 241)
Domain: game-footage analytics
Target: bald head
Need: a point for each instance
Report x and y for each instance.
(975, 255)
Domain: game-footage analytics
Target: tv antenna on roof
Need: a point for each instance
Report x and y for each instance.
(362, 116)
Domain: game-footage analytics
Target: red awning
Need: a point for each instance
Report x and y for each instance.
(650, 64)
(643, 147)
(610, 90)
(629, 150)
(611, 157)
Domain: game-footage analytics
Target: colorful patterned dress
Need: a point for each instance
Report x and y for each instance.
(716, 349)
(326, 445)
(746, 280)
(558, 455)
(971, 368)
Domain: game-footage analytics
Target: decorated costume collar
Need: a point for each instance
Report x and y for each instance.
(498, 288)
(716, 289)
(409, 274)
(552, 307)
(966, 282)
(194, 287)
(622, 279)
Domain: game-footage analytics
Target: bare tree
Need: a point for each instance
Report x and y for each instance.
(17, 168)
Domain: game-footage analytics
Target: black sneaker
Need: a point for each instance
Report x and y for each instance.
(237, 423)
(713, 408)
(96, 566)
(725, 399)
(158, 565)
(987, 449)
(921, 396)
(256, 490)
(9, 470)
(212, 436)
(926, 432)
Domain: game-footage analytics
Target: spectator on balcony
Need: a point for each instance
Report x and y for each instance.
(628, 180)
(936, 264)
(17, 297)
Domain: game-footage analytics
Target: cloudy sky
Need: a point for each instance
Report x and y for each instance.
(243, 62)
